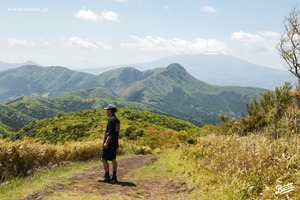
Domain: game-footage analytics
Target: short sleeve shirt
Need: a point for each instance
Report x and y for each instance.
(112, 129)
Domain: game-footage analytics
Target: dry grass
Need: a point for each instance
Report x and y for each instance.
(248, 167)
(21, 158)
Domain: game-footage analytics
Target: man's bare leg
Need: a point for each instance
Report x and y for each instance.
(106, 177)
(115, 168)
(105, 165)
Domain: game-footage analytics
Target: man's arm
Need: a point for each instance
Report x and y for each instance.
(105, 146)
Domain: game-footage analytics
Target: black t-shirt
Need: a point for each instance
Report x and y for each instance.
(112, 129)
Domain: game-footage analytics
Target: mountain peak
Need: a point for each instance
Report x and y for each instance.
(176, 67)
(29, 62)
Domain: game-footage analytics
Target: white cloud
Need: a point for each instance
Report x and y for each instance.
(109, 16)
(270, 35)
(175, 45)
(260, 42)
(20, 42)
(208, 9)
(243, 36)
(44, 42)
(104, 46)
(89, 15)
(84, 44)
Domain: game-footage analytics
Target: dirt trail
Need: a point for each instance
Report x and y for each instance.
(85, 184)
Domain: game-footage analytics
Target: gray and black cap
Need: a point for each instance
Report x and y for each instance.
(110, 107)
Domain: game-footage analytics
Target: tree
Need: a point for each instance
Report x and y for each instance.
(289, 45)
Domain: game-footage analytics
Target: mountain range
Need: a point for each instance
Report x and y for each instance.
(217, 69)
(170, 90)
(174, 91)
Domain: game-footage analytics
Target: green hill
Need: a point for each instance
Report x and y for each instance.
(13, 118)
(35, 80)
(37, 108)
(94, 98)
(90, 124)
(4, 130)
(41, 107)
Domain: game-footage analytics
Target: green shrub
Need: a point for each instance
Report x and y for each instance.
(276, 112)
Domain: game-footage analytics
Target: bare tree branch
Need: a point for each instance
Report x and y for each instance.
(289, 45)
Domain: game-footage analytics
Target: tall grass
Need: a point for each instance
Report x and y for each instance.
(21, 158)
(251, 166)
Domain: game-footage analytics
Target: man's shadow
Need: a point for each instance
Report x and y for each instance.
(124, 184)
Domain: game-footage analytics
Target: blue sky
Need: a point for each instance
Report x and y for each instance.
(95, 33)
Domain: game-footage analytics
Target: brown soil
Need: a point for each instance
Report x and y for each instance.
(85, 183)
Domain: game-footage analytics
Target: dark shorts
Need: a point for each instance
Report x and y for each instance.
(109, 154)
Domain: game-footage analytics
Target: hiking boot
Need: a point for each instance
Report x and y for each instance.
(106, 178)
(114, 179)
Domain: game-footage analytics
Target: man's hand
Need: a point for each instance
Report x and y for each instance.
(105, 146)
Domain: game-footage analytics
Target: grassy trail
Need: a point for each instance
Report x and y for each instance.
(165, 175)
(139, 178)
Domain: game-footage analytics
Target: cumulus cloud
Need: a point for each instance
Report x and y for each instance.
(208, 9)
(20, 42)
(89, 15)
(260, 42)
(176, 45)
(84, 44)
(110, 16)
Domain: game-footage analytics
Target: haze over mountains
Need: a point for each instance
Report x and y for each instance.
(218, 69)
(179, 89)
(170, 90)
(5, 66)
(215, 69)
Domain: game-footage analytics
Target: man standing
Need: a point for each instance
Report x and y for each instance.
(110, 144)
